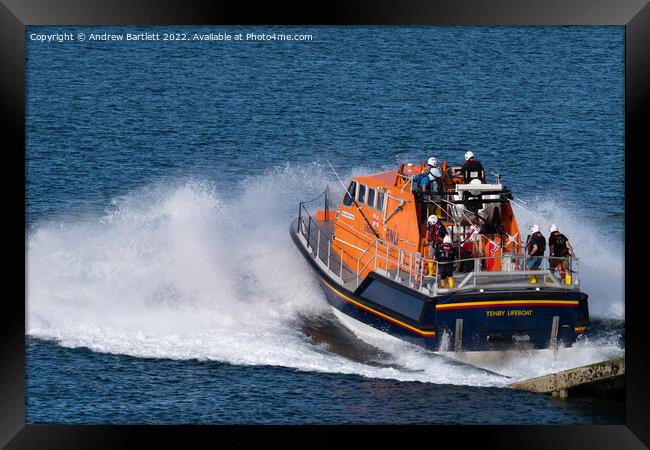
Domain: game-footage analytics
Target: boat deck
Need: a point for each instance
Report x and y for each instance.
(321, 249)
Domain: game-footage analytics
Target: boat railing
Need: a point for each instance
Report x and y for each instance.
(325, 250)
(506, 271)
(513, 272)
(478, 273)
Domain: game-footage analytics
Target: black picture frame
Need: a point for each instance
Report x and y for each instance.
(15, 15)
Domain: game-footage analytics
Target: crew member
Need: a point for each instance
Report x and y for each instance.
(535, 249)
(559, 251)
(435, 176)
(472, 168)
(436, 232)
(445, 257)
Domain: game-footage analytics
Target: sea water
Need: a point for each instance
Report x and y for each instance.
(162, 284)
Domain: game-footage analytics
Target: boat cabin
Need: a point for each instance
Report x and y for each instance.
(387, 207)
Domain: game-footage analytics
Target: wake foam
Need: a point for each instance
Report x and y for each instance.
(196, 270)
(524, 364)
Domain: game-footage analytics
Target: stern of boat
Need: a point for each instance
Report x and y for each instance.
(505, 320)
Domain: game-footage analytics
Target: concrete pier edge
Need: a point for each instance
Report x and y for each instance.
(601, 379)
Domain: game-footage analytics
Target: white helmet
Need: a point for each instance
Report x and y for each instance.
(552, 228)
(446, 239)
(469, 155)
(534, 229)
(433, 162)
(433, 219)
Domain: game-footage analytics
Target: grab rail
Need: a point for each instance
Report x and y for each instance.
(308, 229)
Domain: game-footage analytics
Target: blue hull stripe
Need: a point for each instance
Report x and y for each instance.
(377, 313)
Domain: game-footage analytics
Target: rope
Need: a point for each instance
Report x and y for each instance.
(316, 198)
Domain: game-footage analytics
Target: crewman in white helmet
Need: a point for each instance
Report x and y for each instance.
(535, 248)
(445, 257)
(472, 169)
(559, 251)
(436, 232)
(435, 175)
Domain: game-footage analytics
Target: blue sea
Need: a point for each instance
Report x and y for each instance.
(161, 282)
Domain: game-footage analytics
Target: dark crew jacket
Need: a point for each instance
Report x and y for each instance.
(539, 239)
(558, 241)
(472, 165)
(445, 253)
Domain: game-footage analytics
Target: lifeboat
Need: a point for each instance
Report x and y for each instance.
(371, 257)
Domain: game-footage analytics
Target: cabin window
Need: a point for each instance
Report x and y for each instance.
(362, 193)
(349, 195)
(371, 197)
(380, 201)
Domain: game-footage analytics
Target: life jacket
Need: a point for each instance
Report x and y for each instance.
(539, 239)
(436, 233)
(434, 185)
(445, 253)
(558, 241)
